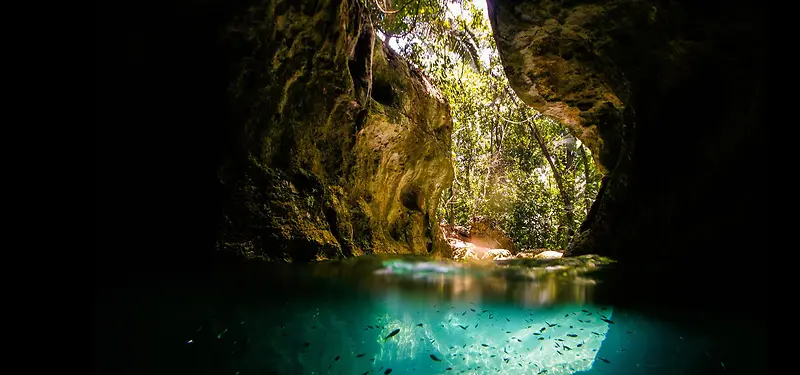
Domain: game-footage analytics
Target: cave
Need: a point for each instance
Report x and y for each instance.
(243, 145)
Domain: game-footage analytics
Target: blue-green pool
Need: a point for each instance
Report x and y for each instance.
(377, 315)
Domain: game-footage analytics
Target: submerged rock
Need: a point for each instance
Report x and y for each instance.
(339, 146)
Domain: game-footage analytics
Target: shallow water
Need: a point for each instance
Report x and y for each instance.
(450, 318)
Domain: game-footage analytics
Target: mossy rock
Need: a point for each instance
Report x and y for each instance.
(341, 147)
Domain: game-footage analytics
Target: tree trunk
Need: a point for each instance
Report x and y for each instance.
(586, 177)
(556, 174)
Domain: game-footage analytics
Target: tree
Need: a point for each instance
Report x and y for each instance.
(511, 164)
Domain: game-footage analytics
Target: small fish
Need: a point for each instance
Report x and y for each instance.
(566, 315)
(396, 331)
(506, 359)
(559, 352)
(541, 372)
(540, 338)
(630, 332)
(435, 358)
(491, 316)
(463, 327)
(518, 340)
(337, 358)
(580, 320)
(549, 325)
(604, 360)
(464, 346)
(588, 314)
(419, 325)
(537, 333)
(585, 310)
(448, 369)
(555, 345)
(306, 344)
(366, 372)
(604, 308)
(493, 355)
(570, 327)
(484, 311)
(542, 329)
(476, 325)
(566, 347)
(450, 320)
(608, 321)
(370, 327)
(572, 335)
(508, 331)
(595, 333)
(579, 345)
(387, 372)
(508, 319)
(361, 355)
(559, 339)
(473, 310)
(484, 345)
(464, 313)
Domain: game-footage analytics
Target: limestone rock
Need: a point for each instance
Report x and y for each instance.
(465, 253)
(339, 146)
(549, 254)
(485, 233)
(497, 254)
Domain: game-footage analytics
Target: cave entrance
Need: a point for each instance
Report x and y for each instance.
(523, 183)
(526, 194)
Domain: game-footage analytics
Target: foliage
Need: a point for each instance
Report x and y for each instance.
(501, 170)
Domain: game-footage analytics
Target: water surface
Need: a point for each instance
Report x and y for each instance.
(410, 315)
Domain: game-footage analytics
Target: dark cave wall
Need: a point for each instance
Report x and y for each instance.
(276, 130)
(671, 98)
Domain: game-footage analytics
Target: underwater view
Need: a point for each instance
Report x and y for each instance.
(392, 315)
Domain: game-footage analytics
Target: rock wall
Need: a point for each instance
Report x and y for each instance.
(337, 147)
(670, 96)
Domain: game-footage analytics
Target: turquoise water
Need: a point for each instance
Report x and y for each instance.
(447, 318)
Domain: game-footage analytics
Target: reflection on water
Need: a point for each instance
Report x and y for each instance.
(523, 282)
(408, 315)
